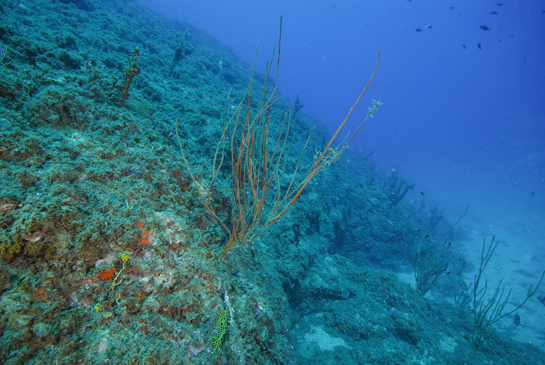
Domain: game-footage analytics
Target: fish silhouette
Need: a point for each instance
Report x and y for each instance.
(516, 321)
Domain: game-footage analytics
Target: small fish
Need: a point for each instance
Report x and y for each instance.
(533, 192)
(500, 4)
(516, 321)
(429, 26)
(422, 192)
(485, 28)
(418, 29)
(543, 12)
(463, 45)
(422, 232)
(499, 40)
(33, 239)
(494, 12)
(479, 45)
(452, 7)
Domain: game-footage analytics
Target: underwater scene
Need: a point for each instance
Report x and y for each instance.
(272, 182)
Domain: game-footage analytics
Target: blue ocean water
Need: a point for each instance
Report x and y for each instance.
(463, 87)
(111, 251)
(462, 123)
